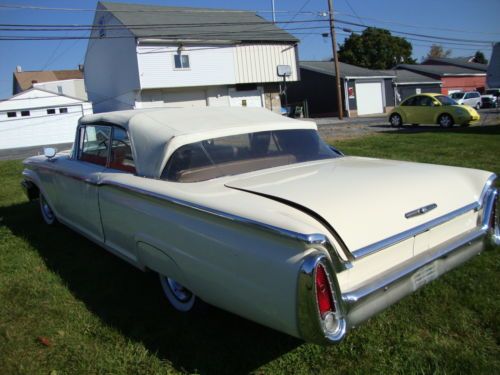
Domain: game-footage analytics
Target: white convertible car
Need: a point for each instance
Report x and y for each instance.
(254, 213)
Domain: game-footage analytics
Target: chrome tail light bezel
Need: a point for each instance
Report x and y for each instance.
(314, 327)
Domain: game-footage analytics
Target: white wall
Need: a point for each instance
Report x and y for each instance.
(70, 87)
(195, 97)
(213, 65)
(209, 65)
(111, 72)
(40, 128)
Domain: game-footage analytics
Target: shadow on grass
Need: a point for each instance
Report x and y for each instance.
(131, 301)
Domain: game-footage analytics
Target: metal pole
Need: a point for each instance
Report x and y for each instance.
(336, 61)
(274, 15)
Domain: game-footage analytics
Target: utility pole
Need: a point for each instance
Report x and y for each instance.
(274, 15)
(336, 61)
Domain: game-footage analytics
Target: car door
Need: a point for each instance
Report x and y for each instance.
(77, 181)
(407, 107)
(418, 110)
(118, 206)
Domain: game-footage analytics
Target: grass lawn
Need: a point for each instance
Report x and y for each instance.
(69, 307)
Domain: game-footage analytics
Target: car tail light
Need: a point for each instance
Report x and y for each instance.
(324, 296)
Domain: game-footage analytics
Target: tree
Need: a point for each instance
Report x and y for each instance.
(479, 58)
(438, 51)
(376, 49)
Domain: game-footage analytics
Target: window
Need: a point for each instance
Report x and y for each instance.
(426, 101)
(244, 153)
(410, 101)
(181, 61)
(444, 100)
(25, 113)
(51, 111)
(11, 114)
(121, 152)
(94, 144)
(59, 89)
(63, 110)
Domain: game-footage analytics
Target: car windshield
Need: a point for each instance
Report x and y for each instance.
(244, 153)
(457, 95)
(445, 100)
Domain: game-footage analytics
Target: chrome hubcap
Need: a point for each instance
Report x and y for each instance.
(179, 291)
(445, 121)
(395, 120)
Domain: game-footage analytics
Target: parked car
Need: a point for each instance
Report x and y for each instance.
(432, 109)
(488, 101)
(252, 212)
(472, 98)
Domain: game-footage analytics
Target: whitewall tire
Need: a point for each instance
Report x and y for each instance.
(181, 298)
(47, 214)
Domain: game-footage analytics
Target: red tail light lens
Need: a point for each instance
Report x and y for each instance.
(324, 297)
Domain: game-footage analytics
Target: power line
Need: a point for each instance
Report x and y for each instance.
(468, 31)
(156, 10)
(52, 27)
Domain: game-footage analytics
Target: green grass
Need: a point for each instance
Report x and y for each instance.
(103, 316)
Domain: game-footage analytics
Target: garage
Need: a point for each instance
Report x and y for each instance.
(245, 98)
(369, 98)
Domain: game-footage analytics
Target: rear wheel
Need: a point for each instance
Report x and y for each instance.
(181, 298)
(478, 105)
(395, 120)
(445, 121)
(47, 214)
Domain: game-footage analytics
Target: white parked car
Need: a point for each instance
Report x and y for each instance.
(252, 212)
(471, 98)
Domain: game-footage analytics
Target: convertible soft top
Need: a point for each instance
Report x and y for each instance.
(157, 133)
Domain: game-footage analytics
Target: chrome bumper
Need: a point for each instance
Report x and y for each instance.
(380, 292)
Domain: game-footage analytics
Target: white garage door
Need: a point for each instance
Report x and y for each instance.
(245, 98)
(369, 98)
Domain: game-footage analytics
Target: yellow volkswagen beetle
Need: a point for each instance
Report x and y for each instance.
(432, 109)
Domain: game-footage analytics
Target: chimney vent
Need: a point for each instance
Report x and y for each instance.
(19, 69)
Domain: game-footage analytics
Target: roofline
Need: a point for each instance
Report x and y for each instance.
(318, 70)
(47, 91)
(418, 83)
(463, 74)
(369, 77)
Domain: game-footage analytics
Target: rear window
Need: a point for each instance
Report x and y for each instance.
(457, 95)
(245, 153)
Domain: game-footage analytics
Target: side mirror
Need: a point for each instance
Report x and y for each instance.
(49, 152)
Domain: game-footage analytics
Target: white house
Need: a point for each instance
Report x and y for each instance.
(39, 117)
(142, 56)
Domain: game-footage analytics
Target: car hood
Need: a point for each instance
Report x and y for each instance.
(365, 200)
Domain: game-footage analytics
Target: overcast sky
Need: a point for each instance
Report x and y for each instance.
(460, 19)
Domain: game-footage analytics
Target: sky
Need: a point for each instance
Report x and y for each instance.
(461, 19)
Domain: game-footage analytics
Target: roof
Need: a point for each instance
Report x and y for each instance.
(36, 98)
(157, 133)
(25, 80)
(406, 77)
(346, 70)
(456, 62)
(441, 70)
(196, 23)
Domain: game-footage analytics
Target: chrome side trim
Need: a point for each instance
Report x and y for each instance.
(308, 316)
(387, 242)
(308, 239)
